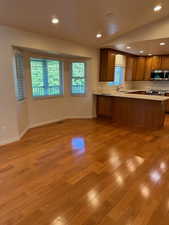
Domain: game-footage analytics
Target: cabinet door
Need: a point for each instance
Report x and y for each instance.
(110, 66)
(140, 68)
(104, 106)
(107, 65)
(165, 62)
(130, 68)
(167, 104)
(103, 62)
(156, 62)
(148, 68)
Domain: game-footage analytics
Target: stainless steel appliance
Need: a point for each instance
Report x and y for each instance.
(152, 92)
(156, 92)
(160, 75)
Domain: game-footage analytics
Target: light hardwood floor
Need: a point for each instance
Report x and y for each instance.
(86, 172)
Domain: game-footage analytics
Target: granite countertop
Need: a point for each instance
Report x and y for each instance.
(126, 94)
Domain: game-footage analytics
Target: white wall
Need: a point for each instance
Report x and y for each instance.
(15, 116)
(22, 117)
(49, 109)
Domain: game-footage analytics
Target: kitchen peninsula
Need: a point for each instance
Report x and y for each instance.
(132, 110)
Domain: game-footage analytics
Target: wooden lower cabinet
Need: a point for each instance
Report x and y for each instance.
(167, 105)
(140, 113)
(131, 112)
(104, 106)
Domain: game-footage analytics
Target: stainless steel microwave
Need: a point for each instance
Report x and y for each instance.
(160, 75)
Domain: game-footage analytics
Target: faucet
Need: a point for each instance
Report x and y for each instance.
(118, 88)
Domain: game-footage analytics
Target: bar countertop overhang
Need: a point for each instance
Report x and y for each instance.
(127, 94)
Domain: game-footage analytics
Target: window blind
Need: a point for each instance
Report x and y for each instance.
(20, 95)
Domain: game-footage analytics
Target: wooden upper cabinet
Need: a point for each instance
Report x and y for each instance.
(140, 68)
(156, 62)
(130, 68)
(148, 68)
(165, 62)
(107, 65)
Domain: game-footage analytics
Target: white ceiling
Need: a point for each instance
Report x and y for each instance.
(146, 38)
(80, 20)
(149, 47)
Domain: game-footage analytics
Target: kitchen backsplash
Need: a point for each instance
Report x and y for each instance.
(137, 85)
(107, 86)
(144, 85)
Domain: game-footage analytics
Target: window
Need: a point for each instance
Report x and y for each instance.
(118, 76)
(19, 62)
(46, 77)
(78, 83)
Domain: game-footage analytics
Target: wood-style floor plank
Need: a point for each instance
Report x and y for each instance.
(86, 172)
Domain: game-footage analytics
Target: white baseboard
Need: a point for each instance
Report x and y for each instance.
(23, 132)
(59, 120)
(46, 123)
(80, 117)
(10, 140)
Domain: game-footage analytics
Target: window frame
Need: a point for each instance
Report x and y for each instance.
(113, 83)
(123, 74)
(85, 78)
(16, 77)
(61, 75)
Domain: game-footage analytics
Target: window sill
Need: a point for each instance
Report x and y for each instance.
(79, 95)
(46, 97)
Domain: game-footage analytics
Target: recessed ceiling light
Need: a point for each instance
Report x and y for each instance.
(150, 54)
(99, 35)
(128, 47)
(55, 20)
(109, 14)
(157, 8)
(162, 43)
(141, 51)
